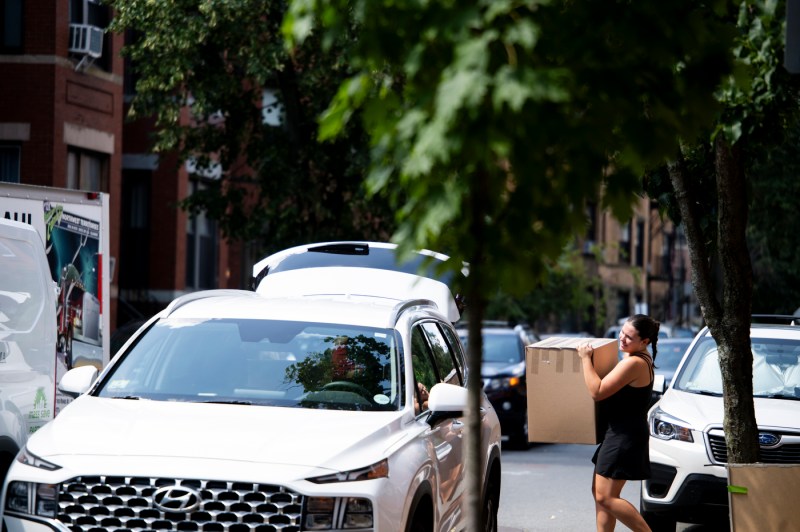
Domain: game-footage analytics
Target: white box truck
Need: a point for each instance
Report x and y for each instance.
(27, 338)
(54, 306)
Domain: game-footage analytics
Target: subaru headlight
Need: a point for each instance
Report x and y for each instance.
(665, 427)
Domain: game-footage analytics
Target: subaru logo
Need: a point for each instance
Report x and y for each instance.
(766, 439)
(176, 499)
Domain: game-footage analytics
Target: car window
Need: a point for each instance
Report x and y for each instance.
(21, 287)
(506, 348)
(456, 347)
(670, 353)
(776, 364)
(261, 362)
(425, 376)
(442, 354)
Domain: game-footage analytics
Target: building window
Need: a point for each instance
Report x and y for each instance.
(201, 248)
(623, 304)
(625, 242)
(11, 26)
(591, 228)
(135, 231)
(93, 13)
(87, 170)
(9, 163)
(640, 243)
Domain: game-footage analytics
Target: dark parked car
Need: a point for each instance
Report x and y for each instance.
(503, 372)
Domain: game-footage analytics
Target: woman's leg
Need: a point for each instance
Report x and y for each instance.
(605, 521)
(606, 496)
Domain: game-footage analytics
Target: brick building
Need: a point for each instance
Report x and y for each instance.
(62, 124)
(61, 100)
(643, 266)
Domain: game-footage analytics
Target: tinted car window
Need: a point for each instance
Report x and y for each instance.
(424, 370)
(456, 349)
(292, 364)
(441, 353)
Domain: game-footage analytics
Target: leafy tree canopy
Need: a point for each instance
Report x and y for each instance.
(201, 70)
(550, 103)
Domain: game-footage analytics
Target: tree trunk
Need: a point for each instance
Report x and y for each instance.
(729, 319)
(735, 356)
(476, 301)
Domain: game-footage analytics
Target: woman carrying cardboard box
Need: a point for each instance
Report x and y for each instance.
(624, 397)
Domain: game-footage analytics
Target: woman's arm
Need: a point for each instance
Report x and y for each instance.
(624, 373)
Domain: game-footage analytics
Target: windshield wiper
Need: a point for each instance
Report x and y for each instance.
(777, 396)
(227, 402)
(703, 392)
(131, 397)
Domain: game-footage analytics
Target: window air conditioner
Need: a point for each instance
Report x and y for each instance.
(86, 39)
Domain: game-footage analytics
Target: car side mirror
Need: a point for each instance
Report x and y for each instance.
(446, 401)
(77, 380)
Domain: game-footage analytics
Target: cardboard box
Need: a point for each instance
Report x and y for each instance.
(560, 409)
(764, 496)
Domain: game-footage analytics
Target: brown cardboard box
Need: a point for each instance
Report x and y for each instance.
(764, 497)
(560, 409)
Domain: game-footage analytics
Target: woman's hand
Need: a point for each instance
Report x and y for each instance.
(585, 351)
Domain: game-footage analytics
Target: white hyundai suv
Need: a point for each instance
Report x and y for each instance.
(237, 411)
(687, 443)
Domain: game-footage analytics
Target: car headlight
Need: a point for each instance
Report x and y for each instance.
(32, 498)
(377, 470)
(665, 427)
(28, 458)
(322, 513)
(504, 383)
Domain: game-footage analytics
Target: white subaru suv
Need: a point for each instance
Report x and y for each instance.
(687, 443)
(239, 411)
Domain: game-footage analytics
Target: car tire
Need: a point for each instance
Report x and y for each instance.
(658, 522)
(519, 438)
(491, 503)
(422, 518)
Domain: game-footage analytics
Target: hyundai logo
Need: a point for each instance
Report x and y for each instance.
(176, 499)
(766, 439)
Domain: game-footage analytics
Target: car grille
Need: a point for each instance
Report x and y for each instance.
(104, 503)
(787, 451)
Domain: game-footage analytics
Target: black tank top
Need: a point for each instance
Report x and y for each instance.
(626, 410)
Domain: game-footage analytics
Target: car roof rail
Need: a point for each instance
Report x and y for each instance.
(775, 319)
(203, 294)
(409, 303)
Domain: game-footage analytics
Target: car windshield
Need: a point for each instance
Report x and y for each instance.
(21, 288)
(670, 353)
(261, 362)
(776, 368)
(500, 347)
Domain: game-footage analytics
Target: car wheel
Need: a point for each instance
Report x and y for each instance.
(659, 522)
(491, 504)
(519, 438)
(421, 522)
